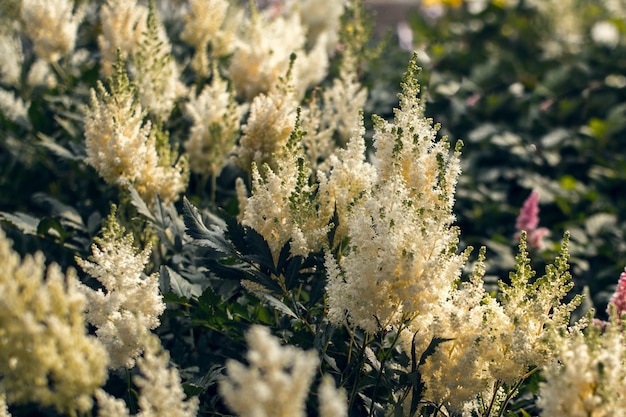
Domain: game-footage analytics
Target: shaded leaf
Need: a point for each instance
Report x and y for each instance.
(25, 222)
(178, 285)
(139, 204)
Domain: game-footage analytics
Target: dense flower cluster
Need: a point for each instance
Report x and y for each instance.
(215, 128)
(402, 246)
(46, 355)
(584, 381)
(276, 381)
(130, 305)
(122, 146)
(528, 220)
(160, 387)
(52, 26)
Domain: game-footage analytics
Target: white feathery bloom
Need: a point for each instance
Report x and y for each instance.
(276, 381)
(263, 54)
(162, 393)
(321, 18)
(11, 59)
(215, 128)
(123, 25)
(130, 304)
(401, 259)
(268, 128)
(333, 402)
(283, 205)
(40, 74)
(46, 355)
(154, 70)
(584, 381)
(605, 33)
(122, 147)
(52, 26)
(350, 178)
(332, 115)
(345, 99)
(4, 409)
(496, 343)
(14, 108)
(203, 24)
(160, 388)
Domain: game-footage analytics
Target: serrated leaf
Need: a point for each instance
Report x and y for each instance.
(58, 209)
(276, 303)
(179, 285)
(49, 143)
(139, 204)
(25, 222)
(258, 250)
(170, 297)
(212, 237)
(292, 275)
(235, 233)
(283, 257)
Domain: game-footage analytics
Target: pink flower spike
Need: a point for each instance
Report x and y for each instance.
(618, 300)
(528, 218)
(535, 238)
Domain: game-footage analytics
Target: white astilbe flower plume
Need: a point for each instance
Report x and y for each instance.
(493, 344)
(276, 381)
(12, 59)
(122, 146)
(160, 389)
(331, 115)
(52, 26)
(401, 261)
(320, 17)
(350, 178)
(203, 26)
(585, 381)
(333, 402)
(283, 206)
(268, 128)
(129, 305)
(215, 128)
(154, 70)
(4, 409)
(46, 355)
(263, 54)
(123, 25)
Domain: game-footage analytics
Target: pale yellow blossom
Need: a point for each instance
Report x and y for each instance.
(52, 26)
(215, 116)
(203, 27)
(161, 392)
(123, 25)
(46, 355)
(129, 304)
(122, 146)
(276, 381)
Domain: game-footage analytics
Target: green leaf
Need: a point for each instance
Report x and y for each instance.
(52, 227)
(25, 222)
(276, 303)
(49, 143)
(58, 209)
(202, 235)
(178, 285)
(139, 204)
(258, 250)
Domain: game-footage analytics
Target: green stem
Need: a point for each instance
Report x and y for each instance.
(383, 362)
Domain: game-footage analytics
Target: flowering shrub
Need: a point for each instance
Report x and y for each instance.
(245, 242)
